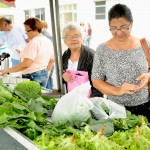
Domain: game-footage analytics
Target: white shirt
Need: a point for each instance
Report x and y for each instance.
(72, 65)
(15, 39)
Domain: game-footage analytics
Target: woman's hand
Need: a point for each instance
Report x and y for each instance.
(67, 77)
(127, 88)
(144, 78)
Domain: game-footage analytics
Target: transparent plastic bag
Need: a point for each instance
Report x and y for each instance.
(74, 106)
(104, 108)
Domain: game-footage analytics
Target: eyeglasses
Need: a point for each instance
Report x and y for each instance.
(28, 31)
(122, 29)
(75, 37)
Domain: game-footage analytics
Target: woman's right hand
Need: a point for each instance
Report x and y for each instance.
(67, 77)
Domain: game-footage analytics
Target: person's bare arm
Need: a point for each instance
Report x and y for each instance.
(23, 65)
(50, 65)
(109, 89)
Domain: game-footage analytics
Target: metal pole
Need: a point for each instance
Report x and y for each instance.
(59, 45)
(54, 13)
(54, 40)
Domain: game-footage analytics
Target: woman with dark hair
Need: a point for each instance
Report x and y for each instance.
(38, 57)
(120, 68)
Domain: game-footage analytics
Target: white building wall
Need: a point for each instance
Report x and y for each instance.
(22, 5)
(86, 13)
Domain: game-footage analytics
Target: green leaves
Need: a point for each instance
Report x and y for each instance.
(24, 108)
(4, 93)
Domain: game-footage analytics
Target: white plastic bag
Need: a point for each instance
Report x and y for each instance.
(74, 106)
(104, 108)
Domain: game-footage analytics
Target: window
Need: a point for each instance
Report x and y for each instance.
(100, 10)
(38, 13)
(68, 13)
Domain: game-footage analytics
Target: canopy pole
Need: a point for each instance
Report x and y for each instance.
(54, 13)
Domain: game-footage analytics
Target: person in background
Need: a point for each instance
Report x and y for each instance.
(47, 34)
(83, 29)
(38, 56)
(15, 38)
(120, 68)
(77, 56)
(88, 36)
(44, 30)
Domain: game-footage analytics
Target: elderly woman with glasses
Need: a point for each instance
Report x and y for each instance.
(120, 68)
(37, 59)
(77, 56)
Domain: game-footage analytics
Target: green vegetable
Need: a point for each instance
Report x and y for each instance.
(2, 100)
(130, 121)
(29, 86)
(28, 90)
(144, 129)
(101, 142)
(4, 93)
(139, 141)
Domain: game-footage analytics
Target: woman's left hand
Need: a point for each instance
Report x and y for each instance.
(143, 78)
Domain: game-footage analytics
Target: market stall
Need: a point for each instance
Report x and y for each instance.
(36, 121)
(27, 111)
(55, 24)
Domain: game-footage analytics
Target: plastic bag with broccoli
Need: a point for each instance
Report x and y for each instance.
(104, 108)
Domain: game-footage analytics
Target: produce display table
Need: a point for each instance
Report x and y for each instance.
(10, 139)
(25, 113)
(54, 94)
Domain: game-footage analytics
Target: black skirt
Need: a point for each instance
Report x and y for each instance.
(143, 109)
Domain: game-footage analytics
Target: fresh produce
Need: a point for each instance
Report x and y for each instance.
(28, 90)
(4, 93)
(26, 110)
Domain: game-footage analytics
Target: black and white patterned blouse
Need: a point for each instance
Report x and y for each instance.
(119, 66)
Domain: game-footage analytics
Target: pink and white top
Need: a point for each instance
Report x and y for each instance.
(40, 50)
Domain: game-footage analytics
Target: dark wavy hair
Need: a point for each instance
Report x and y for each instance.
(118, 11)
